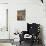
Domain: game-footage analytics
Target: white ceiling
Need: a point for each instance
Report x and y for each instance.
(6, 1)
(3, 1)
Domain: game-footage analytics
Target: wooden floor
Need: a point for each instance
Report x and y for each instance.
(29, 44)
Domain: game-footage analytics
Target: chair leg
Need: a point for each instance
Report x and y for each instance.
(32, 42)
(20, 42)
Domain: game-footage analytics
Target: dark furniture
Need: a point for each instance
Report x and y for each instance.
(33, 30)
(42, 1)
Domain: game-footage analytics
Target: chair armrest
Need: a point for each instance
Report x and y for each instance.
(24, 32)
(22, 35)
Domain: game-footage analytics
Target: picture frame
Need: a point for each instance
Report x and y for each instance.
(21, 15)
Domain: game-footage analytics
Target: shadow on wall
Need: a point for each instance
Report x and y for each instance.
(41, 34)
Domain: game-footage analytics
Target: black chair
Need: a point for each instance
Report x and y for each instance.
(32, 29)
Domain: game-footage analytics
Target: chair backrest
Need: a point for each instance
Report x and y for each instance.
(33, 28)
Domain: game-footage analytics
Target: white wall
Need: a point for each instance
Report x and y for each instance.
(35, 12)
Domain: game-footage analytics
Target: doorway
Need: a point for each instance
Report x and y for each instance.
(4, 34)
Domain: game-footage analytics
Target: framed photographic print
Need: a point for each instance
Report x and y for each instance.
(21, 15)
